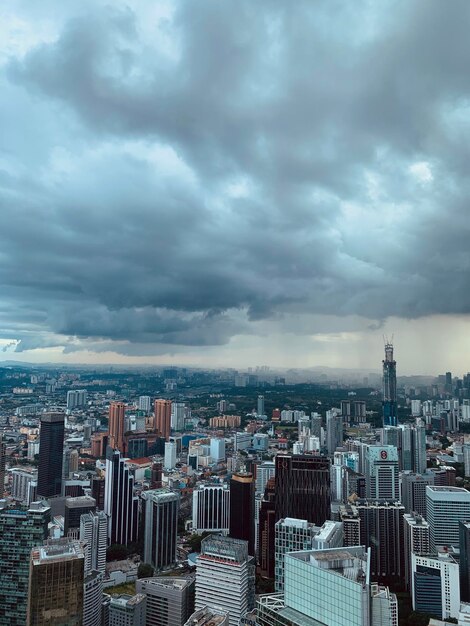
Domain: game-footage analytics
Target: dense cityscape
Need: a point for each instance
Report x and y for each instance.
(179, 497)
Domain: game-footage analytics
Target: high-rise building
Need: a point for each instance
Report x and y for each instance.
(413, 491)
(266, 531)
(208, 616)
(264, 471)
(211, 508)
(334, 431)
(74, 509)
(384, 609)
(291, 535)
(56, 577)
(116, 426)
(170, 455)
(120, 504)
(170, 601)
(381, 529)
(445, 508)
(20, 531)
(303, 487)
(464, 561)
(76, 398)
(435, 585)
(23, 485)
(145, 404)
(162, 410)
(416, 540)
(2, 465)
(92, 598)
(260, 406)
(217, 449)
(389, 387)
(160, 509)
(242, 509)
(225, 559)
(126, 610)
(351, 520)
(94, 536)
(382, 481)
(178, 415)
(51, 455)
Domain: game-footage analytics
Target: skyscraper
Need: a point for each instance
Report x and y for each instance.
(94, 536)
(145, 404)
(120, 504)
(74, 509)
(117, 412)
(56, 577)
(2, 465)
(51, 455)
(303, 487)
(389, 404)
(334, 431)
(211, 508)
(163, 418)
(464, 563)
(225, 559)
(20, 531)
(291, 535)
(266, 532)
(416, 540)
(126, 610)
(260, 406)
(170, 601)
(170, 455)
(435, 585)
(242, 509)
(160, 527)
(92, 598)
(381, 470)
(445, 508)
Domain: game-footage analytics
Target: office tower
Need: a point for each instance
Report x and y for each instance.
(345, 408)
(413, 491)
(334, 431)
(381, 529)
(435, 585)
(389, 403)
(116, 427)
(76, 398)
(419, 435)
(416, 540)
(350, 518)
(170, 455)
(291, 535)
(217, 449)
(51, 455)
(242, 441)
(316, 424)
(448, 385)
(170, 601)
(145, 404)
(92, 598)
(242, 509)
(23, 485)
(227, 559)
(2, 465)
(464, 563)
(264, 471)
(160, 509)
(445, 508)
(211, 508)
(98, 491)
(20, 531)
(74, 509)
(260, 409)
(303, 487)
(266, 531)
(126, 610)
(382, 481)
(162, 410)
(359, 411)
(384, 606)
(56, 576)
(178, 414)
(94, 536)
(120, 504)
(208, 616)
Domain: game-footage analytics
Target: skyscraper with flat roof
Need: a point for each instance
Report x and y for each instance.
(94, 535)
(162, 410)
(56, 577)
(381, 471)
(170, 601)
(51, 451)
(160, 520)
(242, 509)
(211, 508)
(20, 530)
(446, 507)
(117, 414)
(120, 504)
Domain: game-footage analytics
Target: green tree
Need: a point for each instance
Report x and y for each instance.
(145, 570)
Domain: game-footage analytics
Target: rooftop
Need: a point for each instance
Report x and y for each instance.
(351, 563)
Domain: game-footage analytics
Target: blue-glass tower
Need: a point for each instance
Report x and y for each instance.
(389, 403)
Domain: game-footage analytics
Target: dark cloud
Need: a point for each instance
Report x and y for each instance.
(243, 162)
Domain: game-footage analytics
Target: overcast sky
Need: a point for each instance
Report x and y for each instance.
(235, 182)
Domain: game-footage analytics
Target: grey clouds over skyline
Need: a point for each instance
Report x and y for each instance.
(235, 179)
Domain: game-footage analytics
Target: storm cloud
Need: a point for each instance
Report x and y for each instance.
(178, 175)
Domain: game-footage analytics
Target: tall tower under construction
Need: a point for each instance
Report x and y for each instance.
(389, 403)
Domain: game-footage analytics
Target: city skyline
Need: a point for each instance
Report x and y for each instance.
(235, 186)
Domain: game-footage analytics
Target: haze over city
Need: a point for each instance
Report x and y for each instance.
(234, 184)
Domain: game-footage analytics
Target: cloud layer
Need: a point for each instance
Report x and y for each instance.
(174, 176)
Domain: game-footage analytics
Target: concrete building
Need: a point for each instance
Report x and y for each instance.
(208, 617)
(211, 508)
(170, 601)
(416, 540)
(94, 536)
(56, 578)
(291, 535)
(162, 409)
(264, 471)
(120, 503)
(435, 585)
(160, 509)
(223, 558)
(126, 610)
(20, 531)
(145, 404)
(381, 471)
(217, 449)
(21, 484)
(92, 598)
(74, 509)
(117, 414)
(170, 455)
